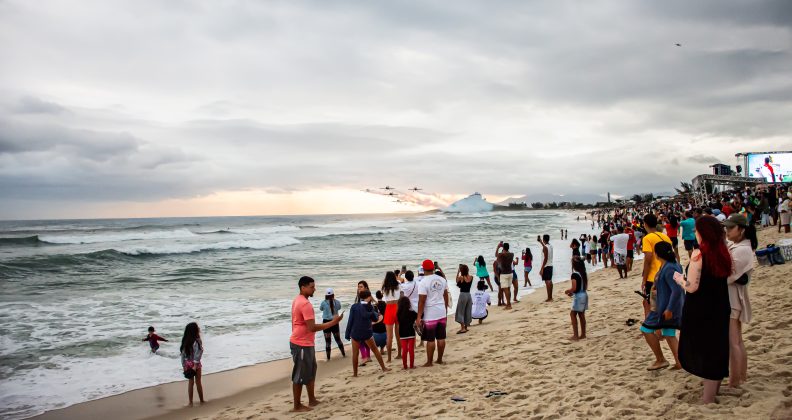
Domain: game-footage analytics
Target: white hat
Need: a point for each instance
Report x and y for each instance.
(420, 271)
(329, 292)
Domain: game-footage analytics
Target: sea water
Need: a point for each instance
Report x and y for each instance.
(78, 295)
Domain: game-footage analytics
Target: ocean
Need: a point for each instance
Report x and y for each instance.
(78, 295)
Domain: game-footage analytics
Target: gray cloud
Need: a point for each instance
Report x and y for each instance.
(507, 98)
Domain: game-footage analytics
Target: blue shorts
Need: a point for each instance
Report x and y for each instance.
(381, 339)
(528, 269)
(666, 332)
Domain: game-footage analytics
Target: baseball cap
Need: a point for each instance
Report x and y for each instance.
(427, 265)
(736, 220)
(329, 292)
(420, 271)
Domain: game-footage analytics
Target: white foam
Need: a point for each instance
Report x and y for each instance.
(357, 224)
(323, 234)
(187, 248)
(265, 230)
(116, 237)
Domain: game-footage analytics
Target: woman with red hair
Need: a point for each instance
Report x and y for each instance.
(704, 336)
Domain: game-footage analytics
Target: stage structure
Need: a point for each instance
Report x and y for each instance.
(704, 185)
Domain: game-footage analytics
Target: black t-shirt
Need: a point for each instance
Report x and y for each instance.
(379, 327)
(407, 324)
(464, 287)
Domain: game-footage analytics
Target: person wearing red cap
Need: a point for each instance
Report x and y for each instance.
(432, 316)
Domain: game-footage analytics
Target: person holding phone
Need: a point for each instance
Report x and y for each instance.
(546, 272)
(666, 300)
(330, 307)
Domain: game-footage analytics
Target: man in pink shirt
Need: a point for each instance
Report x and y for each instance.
(302, 343)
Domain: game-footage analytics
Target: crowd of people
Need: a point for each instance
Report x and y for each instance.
(698, 311)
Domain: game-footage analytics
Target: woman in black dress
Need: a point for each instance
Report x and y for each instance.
(704, 336)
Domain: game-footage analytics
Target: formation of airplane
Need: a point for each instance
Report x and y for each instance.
(392, 192)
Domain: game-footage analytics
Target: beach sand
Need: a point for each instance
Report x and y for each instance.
(525, 353)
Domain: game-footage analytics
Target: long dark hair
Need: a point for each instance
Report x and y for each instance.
(404, 306)
(191, 336)
(390, 285)
(480, 261)
(673, 221)
(528, 254)
(357, 295)
(717, 260)
(464, 270)
(331, 300)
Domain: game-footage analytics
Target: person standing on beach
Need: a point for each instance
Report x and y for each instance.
(432, 316)
(407, 318)
(362, 315)
(302, 343)
(742, 243)
(577, 292)
(620, 252)
(391, 294)
(688, 225)
(546, 272)
(191, 350)
(704, 332)
(465, 304)
(481, 270)
(330, 307)
(665, 315)
(527, 257)
(505, 260)
(651, 265)
(365, 351)
(630, 247)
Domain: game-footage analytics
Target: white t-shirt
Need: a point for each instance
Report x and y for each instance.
(433, 286)
(410, 291)
(480, 301)
(391, 296)
(620, 243)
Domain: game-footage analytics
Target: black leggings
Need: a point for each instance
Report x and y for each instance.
(337, 333)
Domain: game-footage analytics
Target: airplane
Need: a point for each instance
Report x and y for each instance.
(392, 194)
(398, 201)
(678, 45)
(415, 189)
(387, 187)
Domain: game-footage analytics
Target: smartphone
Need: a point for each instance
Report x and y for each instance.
(404, 268)
(341, 313)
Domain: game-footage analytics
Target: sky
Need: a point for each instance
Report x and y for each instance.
(191, 108)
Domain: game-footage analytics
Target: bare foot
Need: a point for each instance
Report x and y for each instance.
(427, 364)
(439, 361)
(574, 338)
(658, 365)
(387, 369)
(314, 403)
(301, 408)
(583, 337)
(676, 367)
(516, 301)
(507, 307)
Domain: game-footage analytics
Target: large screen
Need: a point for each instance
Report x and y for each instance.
(770, 166)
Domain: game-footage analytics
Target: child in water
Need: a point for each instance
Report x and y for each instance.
(191, 351)
(359, 331)
(407, 318)
(152, 338)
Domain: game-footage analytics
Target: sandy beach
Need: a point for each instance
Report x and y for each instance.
(543, 373)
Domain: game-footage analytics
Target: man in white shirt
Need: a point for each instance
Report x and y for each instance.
(432, 315)
(409, 289)
(620, 251)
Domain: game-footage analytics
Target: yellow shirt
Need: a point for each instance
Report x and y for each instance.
(649, 242)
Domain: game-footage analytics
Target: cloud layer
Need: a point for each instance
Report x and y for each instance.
(106, 101)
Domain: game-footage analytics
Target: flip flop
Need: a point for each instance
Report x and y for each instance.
(458, 399)
(496, 394)
(630, 322)
(662, 366)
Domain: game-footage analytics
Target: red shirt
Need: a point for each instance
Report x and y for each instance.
(631, 241)
(727, 210)
(301, 311)
(671, 231)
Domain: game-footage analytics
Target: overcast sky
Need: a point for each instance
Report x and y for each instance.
(112, 108)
